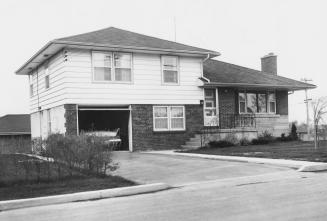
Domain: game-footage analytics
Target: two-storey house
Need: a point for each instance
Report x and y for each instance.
(158, 93)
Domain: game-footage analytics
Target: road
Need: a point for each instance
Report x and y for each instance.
(278, 195)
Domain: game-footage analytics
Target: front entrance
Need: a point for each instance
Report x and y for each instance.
(211, 107)
(93, 119)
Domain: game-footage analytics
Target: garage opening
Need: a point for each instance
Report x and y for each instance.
(93, 119)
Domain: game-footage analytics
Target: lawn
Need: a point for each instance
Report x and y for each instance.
(20, 180)
(295, 150)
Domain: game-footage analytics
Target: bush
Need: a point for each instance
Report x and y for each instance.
(293, 134)
(245, 142)
(263, 138)
(231, 138)
(220, 144)
(86, 153)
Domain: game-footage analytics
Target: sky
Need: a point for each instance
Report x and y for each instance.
(242, 31)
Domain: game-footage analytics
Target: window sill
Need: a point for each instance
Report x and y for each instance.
(169, 131)
(112, 82)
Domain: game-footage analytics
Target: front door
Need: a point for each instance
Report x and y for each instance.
(211, 108)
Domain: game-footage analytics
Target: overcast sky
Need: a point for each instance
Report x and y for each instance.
(243, 31)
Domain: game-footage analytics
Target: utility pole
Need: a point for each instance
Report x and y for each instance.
(306, 101)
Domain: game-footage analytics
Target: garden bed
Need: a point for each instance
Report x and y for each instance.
(19, 180)
(295, 150)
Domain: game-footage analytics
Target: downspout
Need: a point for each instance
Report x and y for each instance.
(38, 101)
(208, 57)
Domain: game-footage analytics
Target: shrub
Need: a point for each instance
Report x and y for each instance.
(293, 134)
(86, 153)
(231, 138)
(263, 138)
(245, 142)
(220, 144)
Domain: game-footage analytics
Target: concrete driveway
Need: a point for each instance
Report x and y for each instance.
(180, 171)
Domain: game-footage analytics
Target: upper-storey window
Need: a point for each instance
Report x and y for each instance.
(170, 69)
(123, 67)
(112, 67)
(101, 66)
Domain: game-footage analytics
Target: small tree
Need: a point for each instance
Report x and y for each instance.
(319, 108)
(293, 133)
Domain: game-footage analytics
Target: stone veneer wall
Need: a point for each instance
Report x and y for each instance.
(144, 138)
(275, 124)
(71, 119)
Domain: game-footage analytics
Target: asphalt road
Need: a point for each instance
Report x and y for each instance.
(282, 195)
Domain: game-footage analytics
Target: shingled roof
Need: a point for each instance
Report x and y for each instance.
(15, 124)
(113, 39)
(229, 75)
(119, 37)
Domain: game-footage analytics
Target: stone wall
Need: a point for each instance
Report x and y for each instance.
(144, 138)
(275, 124)
(71, 119)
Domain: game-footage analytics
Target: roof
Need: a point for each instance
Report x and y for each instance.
(229, 75)
(113, 39)
(15, 124)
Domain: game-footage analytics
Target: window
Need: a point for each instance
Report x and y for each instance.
(123, 64)
(169, 69)
(272, 102)
(47, 82)
(31, 90)
(210, 102)
(101, 66)
(262, 103)
(168, 118)
(257, 102)
(242, 102)
(109, 67)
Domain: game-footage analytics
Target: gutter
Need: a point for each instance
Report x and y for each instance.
(215, 84)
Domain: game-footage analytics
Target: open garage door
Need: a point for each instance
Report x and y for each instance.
(92, 119)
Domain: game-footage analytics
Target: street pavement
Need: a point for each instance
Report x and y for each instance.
(271, 193)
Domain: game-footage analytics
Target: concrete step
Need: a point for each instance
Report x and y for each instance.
(190, 147)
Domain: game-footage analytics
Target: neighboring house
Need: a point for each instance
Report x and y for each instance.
(159, 93)
(15, 131)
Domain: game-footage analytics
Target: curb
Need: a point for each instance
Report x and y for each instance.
(301, 166)
(82, 196)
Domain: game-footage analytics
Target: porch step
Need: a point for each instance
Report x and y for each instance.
(193, 143)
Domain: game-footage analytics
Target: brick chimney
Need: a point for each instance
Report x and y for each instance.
(269, 64)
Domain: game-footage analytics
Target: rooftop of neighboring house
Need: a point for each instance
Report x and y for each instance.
(15, 124)
(225, 74)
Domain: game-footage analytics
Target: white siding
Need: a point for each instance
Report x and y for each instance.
(39, 122)
(146, 87)
(54, 96)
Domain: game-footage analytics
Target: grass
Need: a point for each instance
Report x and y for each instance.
(18, 182)
(295, 150)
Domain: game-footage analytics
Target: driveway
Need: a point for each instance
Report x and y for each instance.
(180, 171)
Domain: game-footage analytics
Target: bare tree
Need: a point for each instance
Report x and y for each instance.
(319, 108)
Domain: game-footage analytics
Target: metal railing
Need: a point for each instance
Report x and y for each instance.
(228, 121)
